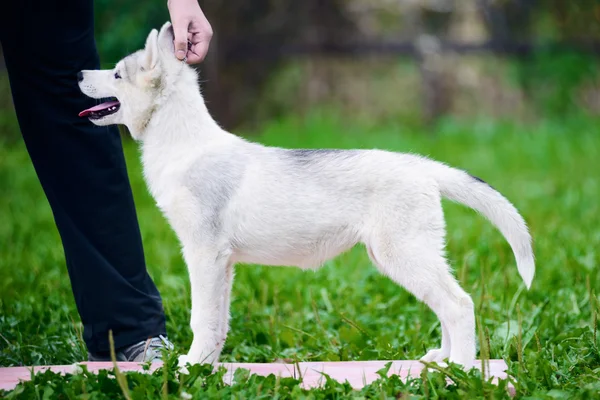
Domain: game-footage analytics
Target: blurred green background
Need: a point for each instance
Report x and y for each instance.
(407, 61)
(412, 61)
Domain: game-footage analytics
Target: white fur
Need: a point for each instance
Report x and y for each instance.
(230, 201)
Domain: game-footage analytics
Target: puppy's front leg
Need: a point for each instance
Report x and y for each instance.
(226, 302)
(207, 268)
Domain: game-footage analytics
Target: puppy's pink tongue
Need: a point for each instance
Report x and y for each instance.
(99, 107)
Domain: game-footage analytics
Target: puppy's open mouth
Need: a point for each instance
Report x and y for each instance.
(102, 110)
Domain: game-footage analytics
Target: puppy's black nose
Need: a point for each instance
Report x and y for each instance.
(79, 76)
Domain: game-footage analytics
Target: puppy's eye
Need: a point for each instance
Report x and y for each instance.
(117, 75)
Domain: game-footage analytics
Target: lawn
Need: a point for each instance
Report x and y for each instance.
(548, 336)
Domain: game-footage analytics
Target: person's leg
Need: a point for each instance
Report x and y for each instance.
(81, 168)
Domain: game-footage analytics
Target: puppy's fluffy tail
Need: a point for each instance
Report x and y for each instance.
(471, 191)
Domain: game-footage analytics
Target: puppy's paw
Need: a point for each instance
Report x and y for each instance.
(436, 355)
(182, 364)
(466, 363)
(206, 354)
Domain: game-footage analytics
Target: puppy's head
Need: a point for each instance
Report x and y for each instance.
(134, 85)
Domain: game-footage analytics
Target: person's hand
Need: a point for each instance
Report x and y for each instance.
(191, 28)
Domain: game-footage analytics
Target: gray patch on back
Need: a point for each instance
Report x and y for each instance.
(332, 171)
(313, 156)
(212, 181)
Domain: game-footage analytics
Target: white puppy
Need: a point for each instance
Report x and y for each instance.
(230, 200)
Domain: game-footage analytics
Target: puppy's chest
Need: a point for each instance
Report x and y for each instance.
(163, 182)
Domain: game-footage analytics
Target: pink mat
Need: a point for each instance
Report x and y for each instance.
(357, 373)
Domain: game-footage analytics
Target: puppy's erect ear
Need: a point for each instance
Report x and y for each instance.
(151, 50)
(166, 39)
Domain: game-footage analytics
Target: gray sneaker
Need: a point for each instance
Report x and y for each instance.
(144, 351)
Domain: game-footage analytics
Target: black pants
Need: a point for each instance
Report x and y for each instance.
(81, 168)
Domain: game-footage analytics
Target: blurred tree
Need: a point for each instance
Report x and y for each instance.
(247, 46)
(433, 22)
(508, 21)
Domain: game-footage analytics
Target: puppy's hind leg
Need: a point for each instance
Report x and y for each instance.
(439, 355)
(418, 264)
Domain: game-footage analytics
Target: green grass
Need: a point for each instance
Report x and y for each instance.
(346, 311)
